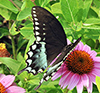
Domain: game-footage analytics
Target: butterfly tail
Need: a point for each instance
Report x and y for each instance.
(49, 73)
(41, 81)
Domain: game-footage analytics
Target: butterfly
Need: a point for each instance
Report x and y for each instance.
(50, 47)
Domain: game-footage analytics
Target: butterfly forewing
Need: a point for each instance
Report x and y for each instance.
(47, 29)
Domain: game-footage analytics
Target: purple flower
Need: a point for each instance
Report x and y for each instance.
(7, 85)
(79, 69)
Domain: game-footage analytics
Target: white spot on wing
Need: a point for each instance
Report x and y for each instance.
(36, 28)
(36, 23)
(34, 11)
(29, 61)
(42, 80)
(43, 38)
(33, 71)
(28, 68)
(44, 33)
(43, 28)
(35, 19)
(37, 42)
(34, 15)
(34, 8)
(33, 47)
(53, 73)
(37, 33)
(40, 70)
(38, 38)
(58, 68)
(44, 75)
(43, 24)
(30, 53)
(47, 77)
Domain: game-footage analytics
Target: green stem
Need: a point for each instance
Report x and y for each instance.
(15, 5)
(33, 2)
(66, 90)
(97, 44)
(13, 47)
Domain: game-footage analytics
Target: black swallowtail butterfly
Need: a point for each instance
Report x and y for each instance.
(50, 45)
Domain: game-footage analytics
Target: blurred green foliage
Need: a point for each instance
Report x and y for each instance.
(78, 18)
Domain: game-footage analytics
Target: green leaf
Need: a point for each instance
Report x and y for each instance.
(90, 42)
(77, 27)
(93, 27)
(12, 30)
(13, 16)
(12, 64)
(87, 4)
(92, 21)
(29, 3)
(23, 5)
(53, 91)
(79, 14)
(98, 82)
(5, 13)
(69, 9)
(27, 31)
(92, 33)
(21, 59)
(97, 10)
(43, 3)
(3, 32)
(8, 5)
(97, 3)
(29, 44)
(24, 14)
(56, 8)
(20, 44)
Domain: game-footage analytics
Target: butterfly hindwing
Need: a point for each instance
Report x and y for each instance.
(36, 54)
(58, 62)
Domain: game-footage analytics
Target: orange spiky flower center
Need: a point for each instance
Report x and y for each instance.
(79, 62)
(2, 89)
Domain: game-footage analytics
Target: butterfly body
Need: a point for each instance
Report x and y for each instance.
(50, 48)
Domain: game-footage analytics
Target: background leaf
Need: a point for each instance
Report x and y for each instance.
(69, 9)
(27, 30)
(12, 30)
(98, 82)
(8, 5)
(12, 64)
(3, 32)
(5, 13)
(43, 3)
(56, 8)
(24, 14)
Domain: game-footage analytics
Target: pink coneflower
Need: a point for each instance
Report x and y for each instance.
(7, 85)
(79, 69)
